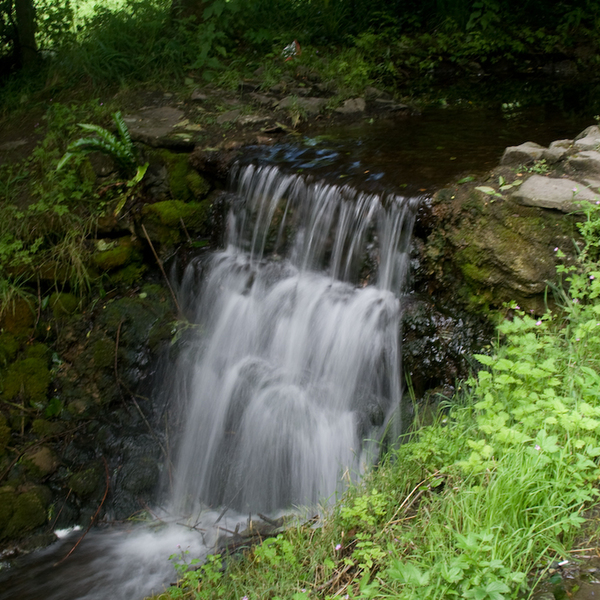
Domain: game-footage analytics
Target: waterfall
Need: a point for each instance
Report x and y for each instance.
(294, 374)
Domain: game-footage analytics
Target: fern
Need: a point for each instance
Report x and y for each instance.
(120, 149)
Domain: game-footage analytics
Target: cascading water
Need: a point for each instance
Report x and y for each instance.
(295, 375)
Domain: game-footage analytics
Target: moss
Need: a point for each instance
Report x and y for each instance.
(29, 513)
(86, 482)
(63, 304)
(197, 185)
(9, 346)
(185, 184)
(37, 350)
(115, 254)
(28, 379)
(103, 353)
(43, 428)
(164, 221)
(20, 320)
(128, 275)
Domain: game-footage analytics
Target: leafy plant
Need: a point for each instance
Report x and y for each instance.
(119, 147)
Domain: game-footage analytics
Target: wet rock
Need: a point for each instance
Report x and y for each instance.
(352, 106)
(549, 192)
(140, 475)
(87, 482)
(523, 154)
(212, 163)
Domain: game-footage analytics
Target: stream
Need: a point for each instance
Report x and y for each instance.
(292, 375)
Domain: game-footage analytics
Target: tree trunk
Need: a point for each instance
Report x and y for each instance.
(26, 45)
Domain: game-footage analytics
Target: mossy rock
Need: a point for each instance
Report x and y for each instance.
(29, 513)
(103, 353)
(113, 254)
(37, 350)
(165, 221)
(43, 428)
(63, 304)
(128, 275)
(4, 435)
(9, 346)
(86, 482)
(41, 462)
(185, 184)
(28, 379)
(18, 319)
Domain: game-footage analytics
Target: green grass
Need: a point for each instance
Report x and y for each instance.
(476, 505)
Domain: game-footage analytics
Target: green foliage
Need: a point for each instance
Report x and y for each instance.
(119, 148)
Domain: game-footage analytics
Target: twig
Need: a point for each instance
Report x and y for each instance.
(189, 239)
(61, 509)
(162, 269)
(93, 519)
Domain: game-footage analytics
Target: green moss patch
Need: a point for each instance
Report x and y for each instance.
(185, 184)
(29, 513)
(28, 379)
(114, 254)
(167, 221)
(63, 304)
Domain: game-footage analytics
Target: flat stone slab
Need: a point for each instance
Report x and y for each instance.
(523, 154)
(155, 127)
(557, 194)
